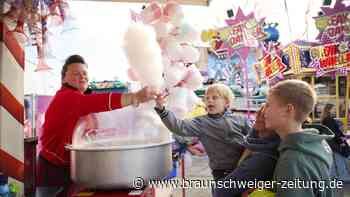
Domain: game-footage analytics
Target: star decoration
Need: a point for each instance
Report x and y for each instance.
(239, 18)
(322, 22)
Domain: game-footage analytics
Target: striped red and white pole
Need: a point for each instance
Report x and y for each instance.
(11, 103)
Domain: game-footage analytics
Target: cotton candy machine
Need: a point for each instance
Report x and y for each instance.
(117, 167)
(111, 149)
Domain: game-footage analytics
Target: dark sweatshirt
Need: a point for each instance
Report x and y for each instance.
(257, 166)
(304, 156)
(338, 143)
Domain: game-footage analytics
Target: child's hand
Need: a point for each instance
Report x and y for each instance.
(161, 99)
(260, 124)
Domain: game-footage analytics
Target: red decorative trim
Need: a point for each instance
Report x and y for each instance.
(12, 44)
(11, 104)
(11, 166)
(1, 32)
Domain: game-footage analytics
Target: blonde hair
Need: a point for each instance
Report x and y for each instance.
(223, 90)
(298, 93)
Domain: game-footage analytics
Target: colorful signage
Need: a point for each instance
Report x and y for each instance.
(272, 66)
(330, 57)
(243, 31)
(334, 24)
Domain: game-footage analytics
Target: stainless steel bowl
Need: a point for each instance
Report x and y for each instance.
(117, 167)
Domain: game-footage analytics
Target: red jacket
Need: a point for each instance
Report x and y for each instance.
(62, 115)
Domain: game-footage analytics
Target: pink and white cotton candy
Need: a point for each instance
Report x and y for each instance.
(165, 53)
(144, 55)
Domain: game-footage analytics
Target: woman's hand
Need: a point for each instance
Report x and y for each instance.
(141, 96)
(144, 95)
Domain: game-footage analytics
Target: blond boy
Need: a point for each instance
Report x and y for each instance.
(305, 157)
(220, 131)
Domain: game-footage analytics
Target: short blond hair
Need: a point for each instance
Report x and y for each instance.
(223, 90)
(298, 93)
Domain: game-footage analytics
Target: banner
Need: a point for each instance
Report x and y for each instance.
(272, 66)
(243, 31)
(334, 23)
(330, 57)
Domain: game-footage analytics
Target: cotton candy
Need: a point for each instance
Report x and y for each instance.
(162, 29)
(173, 49)
(177, 101)
(144, 54)
(132, 75)
(192, 100)
(174, 74)
(125, 126)
(194, 79)
(166, 61)
(189, 54)
(186, 33)
(173, 13)
(151, 13)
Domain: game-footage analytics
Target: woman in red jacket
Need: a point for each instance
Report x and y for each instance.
(68, 105)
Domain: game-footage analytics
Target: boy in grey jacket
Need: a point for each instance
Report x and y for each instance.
(221, 132)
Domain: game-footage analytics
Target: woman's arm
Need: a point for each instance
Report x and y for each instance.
(94, 103)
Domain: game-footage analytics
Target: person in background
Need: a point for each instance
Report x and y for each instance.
(66, 108)
(328, 120)
(338, 144)
(27, 124)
